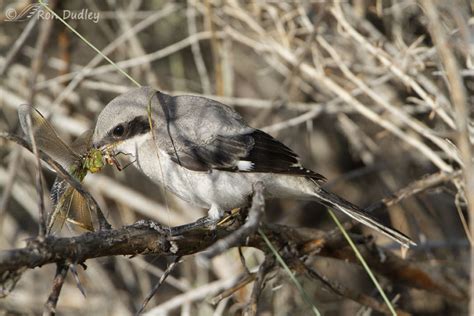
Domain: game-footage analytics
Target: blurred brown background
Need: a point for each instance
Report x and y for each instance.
(356, 88)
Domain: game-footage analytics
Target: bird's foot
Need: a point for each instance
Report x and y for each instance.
(207, 221)
(202, 223)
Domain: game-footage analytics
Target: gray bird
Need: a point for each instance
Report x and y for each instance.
(206, 154)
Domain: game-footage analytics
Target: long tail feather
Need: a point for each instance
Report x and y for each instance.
(334, 201)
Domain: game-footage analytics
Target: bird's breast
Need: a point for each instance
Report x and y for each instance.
(225, 189)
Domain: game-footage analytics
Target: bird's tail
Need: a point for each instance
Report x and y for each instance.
(335, 202)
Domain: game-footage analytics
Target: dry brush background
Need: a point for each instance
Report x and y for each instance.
(375, 95)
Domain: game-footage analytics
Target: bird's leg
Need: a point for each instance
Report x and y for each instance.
(214, 215)
(239, 236)
(210, 222)
(215, 212)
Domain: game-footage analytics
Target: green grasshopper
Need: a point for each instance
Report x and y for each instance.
(79, 159)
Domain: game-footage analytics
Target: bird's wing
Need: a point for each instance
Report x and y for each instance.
(214, 136)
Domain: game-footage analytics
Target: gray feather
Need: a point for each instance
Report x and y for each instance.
(334, 201)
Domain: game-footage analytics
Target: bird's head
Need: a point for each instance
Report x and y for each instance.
(125, 123)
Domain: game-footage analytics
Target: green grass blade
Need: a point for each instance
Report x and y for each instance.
(89, 43)
(363, 262)
(290, 274)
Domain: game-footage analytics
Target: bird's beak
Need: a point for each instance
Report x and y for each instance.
(105, 146)
(108, 150)
(108, 153)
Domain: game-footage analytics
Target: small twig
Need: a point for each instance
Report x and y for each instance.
(39, 178)
(136, 48)
(404, 117)
(387, 62)
(195, 48)
(215, 49)
(51, 10)
(124, 64)
(36, 65)
(258, 285)
(413, 188)
(402, 271)
(38, 57)
(242, 260)
(75, 274)
(332, 86)
(179, 283)
(291, 275)
(292, 78)
(167, 272)
(19, 43)
(246, 279)
(15, 161)
(462, 114)
(50, 306)
(459, 201)
(193, 295)
(346, 292)
(8, 281)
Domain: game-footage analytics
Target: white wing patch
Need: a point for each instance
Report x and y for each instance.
(244, 165)
(297, 165)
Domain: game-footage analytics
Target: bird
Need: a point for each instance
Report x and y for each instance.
(205, 153)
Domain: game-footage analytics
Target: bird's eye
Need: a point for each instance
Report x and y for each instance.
(118, 131)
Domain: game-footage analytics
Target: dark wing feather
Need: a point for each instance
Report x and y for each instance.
(219, 153)
(260, 151)
(270, 155)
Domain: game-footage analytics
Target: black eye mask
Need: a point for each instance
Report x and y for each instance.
(138, 126)
(135, 127)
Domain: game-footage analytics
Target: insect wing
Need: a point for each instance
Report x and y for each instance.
(82, 214)
(46, 137)
(83, 143)
(70, 207)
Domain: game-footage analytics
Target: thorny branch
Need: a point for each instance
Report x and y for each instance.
(258, 285)
(137, 239)
(61, 272)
